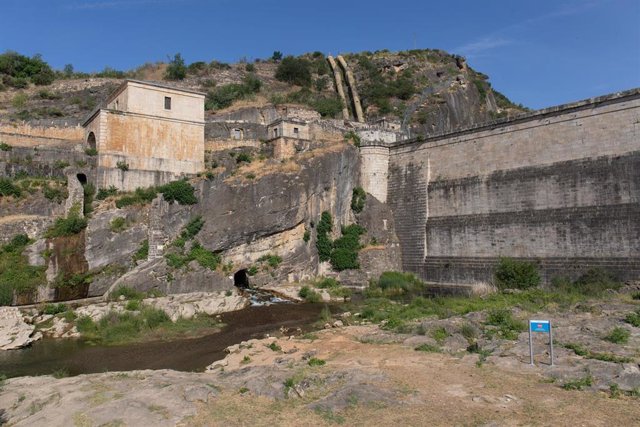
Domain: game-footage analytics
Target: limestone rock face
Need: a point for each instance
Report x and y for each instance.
(238, 214)
(189, 305)
(106, 247)
(156, 275)
(181, 305)
(14, 331)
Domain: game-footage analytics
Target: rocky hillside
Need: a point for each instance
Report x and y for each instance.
(430, 91)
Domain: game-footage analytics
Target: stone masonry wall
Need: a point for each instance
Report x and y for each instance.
(560, 187)
(374, 167)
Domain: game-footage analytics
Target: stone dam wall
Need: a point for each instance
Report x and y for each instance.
(559, 187)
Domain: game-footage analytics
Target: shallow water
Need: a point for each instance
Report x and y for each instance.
(195, 354)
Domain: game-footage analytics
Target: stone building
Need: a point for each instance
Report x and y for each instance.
(287, 137)
(147, 134)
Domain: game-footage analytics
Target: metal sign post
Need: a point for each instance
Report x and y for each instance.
(543, 326)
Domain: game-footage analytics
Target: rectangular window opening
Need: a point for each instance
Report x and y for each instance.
(167, 103)
(295, 130)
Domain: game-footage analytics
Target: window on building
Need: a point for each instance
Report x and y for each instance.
(237, 133)
(295, 130)
(116, 104)
(167, 103)
(275, 133)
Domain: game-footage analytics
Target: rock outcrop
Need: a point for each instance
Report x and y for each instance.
(14, 331)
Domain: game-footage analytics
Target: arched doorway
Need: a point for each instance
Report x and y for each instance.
(91, 141)
(241, 279)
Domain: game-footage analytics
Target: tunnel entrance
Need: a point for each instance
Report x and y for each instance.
(82, 178)
(241, 279)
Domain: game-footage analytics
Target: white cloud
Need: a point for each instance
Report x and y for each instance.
(480, 46)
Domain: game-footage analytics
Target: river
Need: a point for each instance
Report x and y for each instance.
(74, 356)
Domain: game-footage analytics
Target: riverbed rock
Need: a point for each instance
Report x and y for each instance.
(14, 331)
(191, 304)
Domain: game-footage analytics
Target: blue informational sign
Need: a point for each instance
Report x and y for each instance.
(540, 326)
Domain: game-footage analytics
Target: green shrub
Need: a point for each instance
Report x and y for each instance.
(633, 318)
(309, 295)
(5, 147)
(103, 193)
(89, 191)
(252, 271)
(116, 328)
(295, 71)
(143, 251)
(306, 236)
(8, 188)
(352, 136)
(428, 348)
(19, 68)
(205, 257)
(316, 362)
(250, 68)
(224, 96)
(345, 249)
(122, 165)
(176, 70)
(514, 274)
(133, 305)
(140, 196)
(274, 346)
(126, 292)
(440, 334)
(179, 191)
(277, 55)
(595, 281)
(91, 152)
(55, 194)
(358, 199)
(118, 224)
(192, 228)
(344, 259)
(323, 242)
(60, 164)
(618, 335)
(579, 383)
(54, 308)
(243, 157)
(72, 224)
(15, 272)
(272, 260)
(508, 327)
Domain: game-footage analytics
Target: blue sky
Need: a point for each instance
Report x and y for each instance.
(539, 53)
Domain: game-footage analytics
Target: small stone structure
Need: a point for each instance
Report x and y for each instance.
(147, 134)
(288, 136)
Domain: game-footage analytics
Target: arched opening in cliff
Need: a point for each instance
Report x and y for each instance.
(241, 279)
(91, 141)
(82, 178)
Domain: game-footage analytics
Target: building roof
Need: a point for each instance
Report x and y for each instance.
(123, 85)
